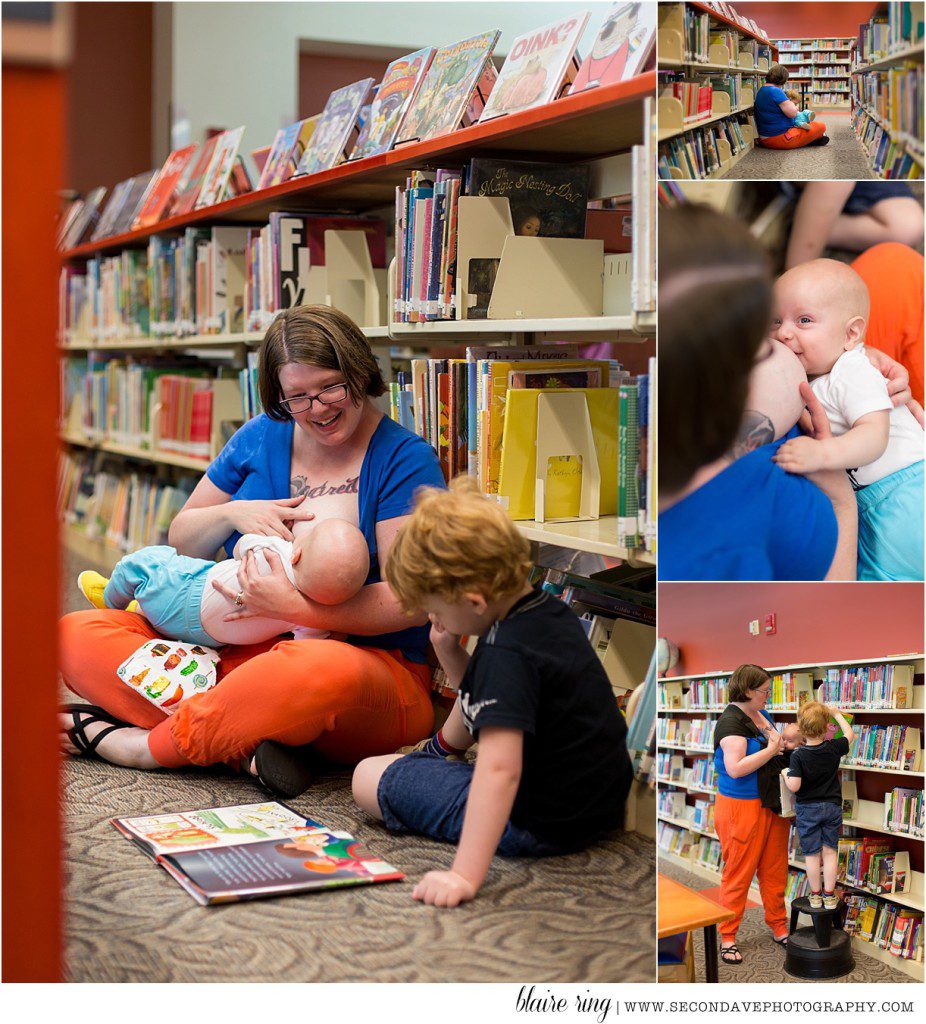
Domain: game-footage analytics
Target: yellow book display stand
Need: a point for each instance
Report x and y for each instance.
(565, 444)
(563, 487)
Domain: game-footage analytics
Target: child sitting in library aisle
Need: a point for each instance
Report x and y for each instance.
(821, 314)
(813, 775)
(552, 772)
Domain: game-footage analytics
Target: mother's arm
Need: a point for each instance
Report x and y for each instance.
(789, 108)
(210, 516)
(375, 609)
(735, 759)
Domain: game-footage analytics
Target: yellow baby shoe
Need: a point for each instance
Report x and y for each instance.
(92, 585)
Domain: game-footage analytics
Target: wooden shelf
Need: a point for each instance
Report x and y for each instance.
(883, 771)
(140, 454)
(595, 535)
(724, 20)
(593, 123)
(774, 669)
(251, 338)
(690, 825)
(450, 330)
(685, 785)
(671, 133)
(666, 65)
(91, 550)
(914, 52)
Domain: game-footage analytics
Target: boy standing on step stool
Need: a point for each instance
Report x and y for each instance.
(813, 775)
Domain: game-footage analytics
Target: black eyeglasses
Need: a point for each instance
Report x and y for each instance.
(330, 396)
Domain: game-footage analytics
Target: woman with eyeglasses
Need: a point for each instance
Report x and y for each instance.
(753, 836)
(320, 451)
(728, 397)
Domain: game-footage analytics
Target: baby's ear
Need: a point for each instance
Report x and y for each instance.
(855, 332)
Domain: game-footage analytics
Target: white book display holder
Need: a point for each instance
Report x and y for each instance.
(564, 428)
(351, 285)
(483, 225)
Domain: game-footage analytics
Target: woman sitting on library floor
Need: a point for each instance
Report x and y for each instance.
(322, 438)
(747, 808)
(775, 115)
(728, 397)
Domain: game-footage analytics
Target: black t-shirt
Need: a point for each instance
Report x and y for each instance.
(535, 671)
(818, 769)
(735, 722)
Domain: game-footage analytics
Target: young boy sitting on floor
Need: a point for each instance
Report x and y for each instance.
(821, 315)
(803, 117)
(552, 772)
(190, 599)
(813, 775)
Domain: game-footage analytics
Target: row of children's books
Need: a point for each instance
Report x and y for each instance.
(872, 863)
(886, 746)
(218, 280)
(99, 498)
(903, 811)
(828, 98)
(898, 930)
(696, 154)
(681, 842)
(701, 777)
(890, 31)
(481, 416)
(895, 96)
(889, 157)
(423, 95)
(812, 44)
(694, 733)
(871, 687)
(705, 694)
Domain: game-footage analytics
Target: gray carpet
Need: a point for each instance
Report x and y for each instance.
(588, 917)
(763, 961)
(842, 158)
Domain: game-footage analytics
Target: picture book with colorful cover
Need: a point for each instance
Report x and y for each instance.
(157, 205)
(446, 91)
(226, 854)
(87, 218)
(622, 47)
(546, 200)
(334, 127)
(215, 180)
(111, 212)
(189, 193)
(137, 195)
(535, 67)
(396, 92)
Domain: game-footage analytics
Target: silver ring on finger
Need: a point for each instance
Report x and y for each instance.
(239, 598)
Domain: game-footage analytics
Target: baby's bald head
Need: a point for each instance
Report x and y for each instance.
(832, 282)
(821, 311)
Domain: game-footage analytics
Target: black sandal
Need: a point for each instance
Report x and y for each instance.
(783, 941)
(83, 715)
(284, 771)
(728, 952)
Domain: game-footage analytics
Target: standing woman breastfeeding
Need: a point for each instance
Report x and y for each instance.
(321, 440)
(747, 808)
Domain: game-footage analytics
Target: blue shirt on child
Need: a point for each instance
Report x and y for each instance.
(753, 521)
(770, 120)
(255, 464)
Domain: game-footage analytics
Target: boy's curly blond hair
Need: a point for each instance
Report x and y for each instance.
(456, 542)
(812, 719)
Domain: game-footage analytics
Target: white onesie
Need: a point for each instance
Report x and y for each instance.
(214, 607)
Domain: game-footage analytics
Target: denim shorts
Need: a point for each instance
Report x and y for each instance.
(426, 793)
(818, 824)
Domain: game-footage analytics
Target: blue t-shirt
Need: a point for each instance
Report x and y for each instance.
(753, 521)
(255, 464)
(769, 117)
(747, 786)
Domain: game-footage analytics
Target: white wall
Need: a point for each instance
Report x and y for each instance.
(237, 63)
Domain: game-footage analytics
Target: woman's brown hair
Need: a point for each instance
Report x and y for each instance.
(745, 679)
(776, 75)
(715, 302)
(316, 336)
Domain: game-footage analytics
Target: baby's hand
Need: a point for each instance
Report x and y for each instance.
(444, 889)
(801, 455)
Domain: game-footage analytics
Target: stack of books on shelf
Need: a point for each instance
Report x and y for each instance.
(871, 863)
(701, 733)
(796, 885)
(704, 775)
(886, 746)
(674, 840)
(897, 930)
(873, 687)
(888, 100)
(673, 731)
(670, 767)
(790, 690)
(697, 153)
(903, 811)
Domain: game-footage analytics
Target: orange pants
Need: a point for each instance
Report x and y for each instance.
(348, 702)
(754, 842)
(794, 138)
(893, 273)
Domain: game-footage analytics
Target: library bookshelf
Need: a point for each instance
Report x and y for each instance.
(746, 65)
(886, 93)
(828, 61)
(694, 779)
(598, 125)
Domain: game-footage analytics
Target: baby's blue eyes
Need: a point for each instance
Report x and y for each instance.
(805, 320)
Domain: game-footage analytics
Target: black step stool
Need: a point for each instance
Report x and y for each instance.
(822, 951)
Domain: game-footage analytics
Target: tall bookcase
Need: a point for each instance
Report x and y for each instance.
(887, 91)
(745, 64)
(687, 837)
(612, 127)
(824, 63)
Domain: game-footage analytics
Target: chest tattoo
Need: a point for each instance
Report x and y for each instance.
(300, 487)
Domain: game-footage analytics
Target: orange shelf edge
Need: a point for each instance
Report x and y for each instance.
(560, 111)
